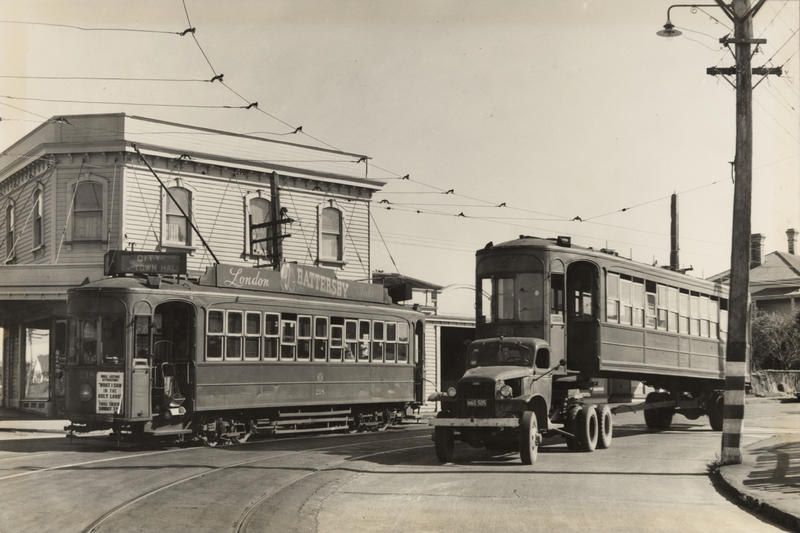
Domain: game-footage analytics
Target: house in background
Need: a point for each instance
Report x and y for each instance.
(78, 186)
(774, 277)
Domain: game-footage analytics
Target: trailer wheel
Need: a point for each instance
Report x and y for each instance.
(528, 438)
(444, 443)
(715, 410)
(606, 425)
(660, 418)
(586, 428)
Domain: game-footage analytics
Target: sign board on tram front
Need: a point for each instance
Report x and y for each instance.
(119, 262)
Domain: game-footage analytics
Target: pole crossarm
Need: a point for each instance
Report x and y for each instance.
(731, 71)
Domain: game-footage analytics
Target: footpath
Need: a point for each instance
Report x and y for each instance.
(767, 481)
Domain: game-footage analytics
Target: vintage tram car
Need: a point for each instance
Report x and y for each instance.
(236, 352)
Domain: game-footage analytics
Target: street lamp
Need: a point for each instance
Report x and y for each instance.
(741, 14)
(669, 28)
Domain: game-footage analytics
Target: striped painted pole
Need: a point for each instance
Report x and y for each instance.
(733, 412)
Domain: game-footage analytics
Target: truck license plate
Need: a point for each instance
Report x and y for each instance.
(476, 403)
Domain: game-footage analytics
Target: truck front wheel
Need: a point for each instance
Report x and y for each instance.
(444, 443)
(528, 438)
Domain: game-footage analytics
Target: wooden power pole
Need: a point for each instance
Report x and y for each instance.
(740, 12)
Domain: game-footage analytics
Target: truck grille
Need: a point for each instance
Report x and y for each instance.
(468, 391)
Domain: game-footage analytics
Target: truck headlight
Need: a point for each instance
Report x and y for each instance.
(451, 391)
(85, 392)
(505, 391)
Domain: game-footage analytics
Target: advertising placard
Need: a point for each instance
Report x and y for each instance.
(108, 397)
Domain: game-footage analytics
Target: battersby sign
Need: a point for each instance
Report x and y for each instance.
(297, 279)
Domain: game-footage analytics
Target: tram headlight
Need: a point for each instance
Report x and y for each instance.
(85, 393)
(451, 391)
(505, 391)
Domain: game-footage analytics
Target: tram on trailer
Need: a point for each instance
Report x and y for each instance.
(552, 318)
(237, 352)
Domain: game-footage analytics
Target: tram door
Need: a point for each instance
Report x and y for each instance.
(173, 356)
(583, 314)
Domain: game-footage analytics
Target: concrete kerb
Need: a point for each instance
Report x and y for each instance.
(729, 480)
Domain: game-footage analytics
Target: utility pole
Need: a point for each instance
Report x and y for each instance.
(740, 12)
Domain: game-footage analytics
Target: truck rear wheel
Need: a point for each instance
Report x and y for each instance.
(587, 428)
(606, 425)
(444, 443)
(528, 438)
(715, 410)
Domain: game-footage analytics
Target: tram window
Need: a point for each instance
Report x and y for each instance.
(88, 349)
(504, 298)
(557, 298)
(485, 300)
(723, 320)
(351, 339)
(271, 335)
(662, 307)
(694, 313)
(288, 339)
(215, 328)
(672, 307)
(363, 335)
(391, 342)
(141, 346)
(252, 339)
(320, 338)
(713, 316)
(303, 338)
(112, 328)
(336, 342)
(704, 316)
(683, 313)
(650, 305)
(377, 340)
(402, 342)
(626, 310)
(233, 337)
(637, 303)
(74, 341)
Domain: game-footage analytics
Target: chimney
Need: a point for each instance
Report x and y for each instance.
(756, 249)
(791, 235)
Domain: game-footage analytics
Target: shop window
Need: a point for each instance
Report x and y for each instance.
(252, 336)
(87, 211)
(320, 338)
(215, 330)
(330, 235)
(272, 330)
(38, 237)
(177, 225)
(259, 211)
(233, 335)
(10, 223)
(37, 364)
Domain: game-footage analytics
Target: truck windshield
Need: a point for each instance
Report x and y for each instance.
(499, 353)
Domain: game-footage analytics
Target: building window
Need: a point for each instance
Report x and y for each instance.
(176, 223)
(87, 212)
(10, 232)
(37, 219)
(330, 235)
(259, 211)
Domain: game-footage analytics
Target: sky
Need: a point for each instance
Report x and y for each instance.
(558, 109)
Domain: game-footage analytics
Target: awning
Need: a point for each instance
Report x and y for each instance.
(44, 282)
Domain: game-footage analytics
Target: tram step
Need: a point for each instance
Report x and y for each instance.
(284, 414)
(285, 431)
(292, 421)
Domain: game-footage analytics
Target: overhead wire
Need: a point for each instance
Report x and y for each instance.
(84, 28)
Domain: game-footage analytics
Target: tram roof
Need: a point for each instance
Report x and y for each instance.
(604, 256)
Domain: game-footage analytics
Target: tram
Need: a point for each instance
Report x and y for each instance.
(237, 352)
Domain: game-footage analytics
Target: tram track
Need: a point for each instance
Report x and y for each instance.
(116, 511)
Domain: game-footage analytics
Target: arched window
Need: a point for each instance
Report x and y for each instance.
(330, 235)
(176, 223)
(87, 215)
(37, 219)
(9, 232)
(259, 211)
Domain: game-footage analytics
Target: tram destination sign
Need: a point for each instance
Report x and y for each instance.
(118, 262)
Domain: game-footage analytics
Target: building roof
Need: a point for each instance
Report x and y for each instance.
(778, 268)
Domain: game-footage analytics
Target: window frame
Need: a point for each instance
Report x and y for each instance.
(267, 336)
(165, 217)
(332, 346)
(308, 338)
(234, 335)
(293, 344)
(321, 257)
(37, 226)
(250, 336)
(248, 248)
(219, 334)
